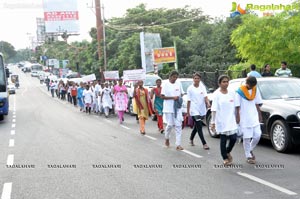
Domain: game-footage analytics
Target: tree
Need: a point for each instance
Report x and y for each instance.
(7, 50)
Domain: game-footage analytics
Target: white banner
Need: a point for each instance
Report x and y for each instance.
(111, 75)
(89, 78)
(134, 75)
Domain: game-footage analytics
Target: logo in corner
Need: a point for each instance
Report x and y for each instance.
(236, 10)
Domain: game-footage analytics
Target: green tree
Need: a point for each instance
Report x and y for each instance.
(7, 50)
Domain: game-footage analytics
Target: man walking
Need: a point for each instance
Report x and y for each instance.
(248, 115)
(171, 93)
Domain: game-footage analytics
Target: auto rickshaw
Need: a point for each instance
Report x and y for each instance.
(15, 79)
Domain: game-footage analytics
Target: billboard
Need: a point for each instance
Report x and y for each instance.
(148, 42)
(164, 55)
(61, 16)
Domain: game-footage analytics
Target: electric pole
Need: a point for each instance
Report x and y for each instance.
(99, 26)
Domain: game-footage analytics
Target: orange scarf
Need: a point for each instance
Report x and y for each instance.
(244, 92)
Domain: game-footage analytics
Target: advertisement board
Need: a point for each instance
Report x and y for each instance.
(61, 16)
(164, 55)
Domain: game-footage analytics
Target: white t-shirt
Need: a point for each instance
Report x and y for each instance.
(224, 105)
(170, 90)
(88, 96)
(196, 95)
(248, 111)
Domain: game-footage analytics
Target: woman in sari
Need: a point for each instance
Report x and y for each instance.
(158, 105)
(143, 105)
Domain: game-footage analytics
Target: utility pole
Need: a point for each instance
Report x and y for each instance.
(99, 26)
(104, 41)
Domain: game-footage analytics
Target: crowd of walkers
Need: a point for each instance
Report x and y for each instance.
(232, 111)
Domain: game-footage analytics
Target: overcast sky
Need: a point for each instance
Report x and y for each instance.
(18, 24)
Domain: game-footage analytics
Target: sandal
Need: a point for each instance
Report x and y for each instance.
(227, 162)
(205, 147)
(192, 143)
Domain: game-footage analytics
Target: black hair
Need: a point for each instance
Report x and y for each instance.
(221, 77)
(157, 80)
(284, 62)
(266, 65)
(253, 67)
(197, 74)
(172, 73)
(251, 81)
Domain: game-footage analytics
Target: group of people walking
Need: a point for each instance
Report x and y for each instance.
(232, 111)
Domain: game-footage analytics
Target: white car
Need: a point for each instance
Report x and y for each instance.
(11, 89)
(34, 74)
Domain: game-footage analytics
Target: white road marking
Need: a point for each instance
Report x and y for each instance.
(271, 185)
(107, 120)
(11, 143)
(12, 132)
(6, 192)
(14, 112)
(14, 120)
(14, 116)
(10, 159)
(150, 137)
(13, 125)
(191, 153)
(125, 127)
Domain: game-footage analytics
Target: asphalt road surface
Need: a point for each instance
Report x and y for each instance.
(51, 150)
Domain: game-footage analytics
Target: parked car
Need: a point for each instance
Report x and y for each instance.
(280, 110)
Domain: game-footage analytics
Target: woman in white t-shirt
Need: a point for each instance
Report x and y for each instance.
(224, 119)
(197, 102)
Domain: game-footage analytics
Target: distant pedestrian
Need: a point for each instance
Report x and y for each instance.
(106, 99)
(52, 87)
(197, 102)
(158, 104)
(121, 100)
(88, 99)
(172, 114)
(283, 71)
(223, 118)
(253, 71)
(267, 71)
(248, 115)
(80, 96)
(73, 93)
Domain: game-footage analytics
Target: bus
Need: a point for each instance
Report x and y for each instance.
(4, 103)
(35, 69)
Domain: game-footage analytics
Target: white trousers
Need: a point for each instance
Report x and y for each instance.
(250, 143)
(173, 122)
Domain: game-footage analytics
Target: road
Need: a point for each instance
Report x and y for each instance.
(50, 150)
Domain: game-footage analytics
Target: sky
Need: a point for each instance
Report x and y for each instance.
(18, 17)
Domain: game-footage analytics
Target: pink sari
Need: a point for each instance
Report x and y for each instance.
(121, 98)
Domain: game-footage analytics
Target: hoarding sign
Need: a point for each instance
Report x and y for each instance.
(164, 55)
(61, 16)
